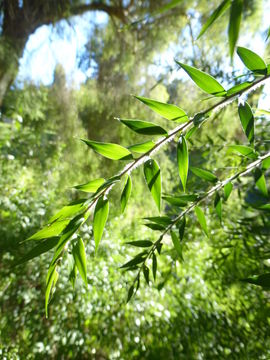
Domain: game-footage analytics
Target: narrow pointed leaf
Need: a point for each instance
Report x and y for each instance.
(235, 89)
(142, 148)
(130, 293)
(247, 151)
(204, 174)
(218, 205)
(79, 255)
(205, 81)
(73, 275)
(247, 120)
(140, 243)
(234, 24)
(146, 274)
(144, 127)
(108, 150)
(154, 265)
(126, 193)
(201, 218)
(227, 190)
(260, 280)
(52, 230)
(214, 16)
(182, 228)
(135, 261)
(252, 60)
(91, 186)
(100, 218)
(161, 220)
(69, 210)
(177, 245)
(49, 287)
(153, 180)
(182, 160)
(168, 111)
(155, 226)
(260, 182)
(266, 163)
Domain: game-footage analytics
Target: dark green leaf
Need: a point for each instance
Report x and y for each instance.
(260, 280)
(135, 261)
(155, 226)
(204, 174)
(244, 150)
(205, 81)
(175, 200)
(252, 60)
(144, 127)
(146, 274)
(161, 220)
(168, 111)
(126, 193)
(142, 147)
(153, 180)
(260, 182)
(227, 190)
(110, 151)
(247, 121)
(214, 16)
(201, 218)
(182, 226)
(154, 265)
(218, 206)
(234, 24)
(73, 274)
(140, 243)
(130, 293)
(79, 255)
(159, 247)
(177, 245)
(182, 160)
(100, 218)
(91, 186)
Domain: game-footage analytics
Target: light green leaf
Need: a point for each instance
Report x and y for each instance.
(144, 127)
(69, 210)
(110, 151)
(234, 24)
(252, 60)
(51, 230)
(182, 159)
(260, 112)
(168, 111)
(142, 147)
(260, 182)
(91, 186)
(177, 245)
(79, 256)
(100, 218)
(172, 4)
(205, 81)
(227, 190)
(50, 284)
(247, 121)
(126, 193)
(204, 174)
(218, 206)
(235, 89)
(244, 150)
(214, 16)
(153, 180)
(201, 218)
(41, 248)
(266, 163)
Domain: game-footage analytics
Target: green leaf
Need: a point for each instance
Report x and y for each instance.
(100, 218)
(201, 218)
(214, 16)
(266, 163)
(237, 88)
(110, 151)
(130, 293)
(260, 280)
(155, 227)
(144, 127)
(154, 265)
(51, 230)
(153, 180)
(146, 274)
(182, 226)
(135, 261)
(142, 148)
(69, 210)
(261, 112)
(49, 287)
(168, 111)
(247, 151)
(205, 81)
(177, 245)
(175, 200)
(73, 274)
(79, 255)
(234, 24)
(227, 190)
(91, 186)
(109, 182)
(260, 182)
(140, 243)
(126, 193)
(252, 60)
(41, 248)
(182, 160)
(204, 174)
(161, 220)
(172, 4)
(247, 121)
(218, 206)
